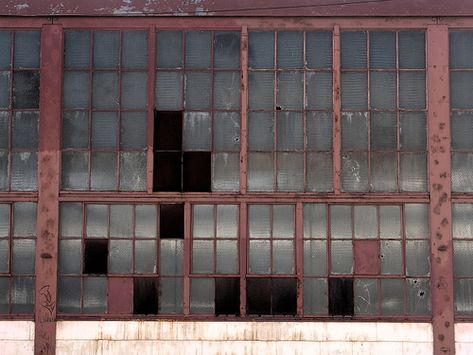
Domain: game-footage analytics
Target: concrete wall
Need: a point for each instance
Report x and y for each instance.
(16, 337)
(464, 338)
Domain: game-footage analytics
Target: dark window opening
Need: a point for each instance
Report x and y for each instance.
(271, 296)
(145, 296)
(340, 297)
(227, 296)
(171, 221)
(168, 130)
(95, 256)
(197, 176)
(167, 168)
(258, 294)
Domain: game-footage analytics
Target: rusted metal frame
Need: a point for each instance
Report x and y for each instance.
(305, 113)
(187, 256)
(119, 72)
(151, 105)
(275, 152)
(243, 253)
(299, 256)
(17, 196)
(10, 111)
(439, 168)
(91, 89)
(48, 190)
(368, 123)
(244, 111)
(337, 108)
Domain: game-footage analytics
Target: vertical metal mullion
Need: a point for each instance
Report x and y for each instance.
(244, 111)
(275, 113)
(91, 97)
(299, 257)
(398, 120)
(368, 82)
(337, 129)
(187, 256)
(150, 108)
(10, 112)
(119, 116)
(83, 238)
(243, 249)
(183, 97)
(305, 100)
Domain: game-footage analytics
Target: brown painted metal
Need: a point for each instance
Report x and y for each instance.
(243, 254)
(366, 254)
(300, 257)
(48, 189)
(237, 8)
(337, 106)
(187, 259)
(151, 94)
(244, 111)
(120, 295)
(440, 190)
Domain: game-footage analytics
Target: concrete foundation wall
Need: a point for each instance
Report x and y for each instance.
(16, 337)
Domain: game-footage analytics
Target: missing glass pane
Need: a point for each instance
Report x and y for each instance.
(168, 130)
(95, 257)
(171, 221)
(227, 296)
(145, 296)
(197, 171)
(340, 297)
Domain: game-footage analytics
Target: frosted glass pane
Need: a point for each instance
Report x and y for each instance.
(462, 216)
(202, 296)
(4, 220)
(315, 220)
(319, 49)
(121, 221)
(354, 91)
(133, 171)
(290, 91)
(383, 131)
(70, 256)
(382, 50)
(411, 50)
(227, 257)
(461, 89)
(168, 90)
(75, 129)
(27, 47)
(135, 49)
(198, 86)
(319, 172)
(97, 221)
(463, 296)
(227, 90)
(290, 174)
(4, 294)
(25, 89)
(226, 173)
(76, 90)
(197, 131)
(133, 130)
(366, 222)
(319, 90)
(260, 172)
(354, 172)
(418, 296)
(3, 170)
(413, 131)
(412, 90)
(353, 50)
(417, 258)
(104, 130)
(103, 171)
(365, 296)
(24, 219)
(198, 49)
(259, 257)
(383, 90)
(462, 168)
(23, 256)
(416, 217)
(95, 295)
(203, 224)
(413, 172)
(172, 254)
(24, 171)
(290, 49)
(4, 129)
(259, 221)
(134, 90)
(261, 90)
(391, 257)
(261, 131)
(22, 295)
(315, 257)
(226, 135)
(4, 90)
(145, 221)
(227, 221)
(171, 295)
(340, 222)
(169, 49)
(76, 49)
(390, 221)
(290, 131)
(120, 257)
(283, 221)
(227, 50)
(261, 50)
(319, 131)
(315, 296)
(342, 257)
(74, 172)
(463, 258)
(392, 300)
(283, 257)
(71, 219)
(105, 90)
(106, 49)
(461, 49)
(5, 49)
(25, 130)
(383, 171)
(354, 130)
(69, 295)
(462, 130)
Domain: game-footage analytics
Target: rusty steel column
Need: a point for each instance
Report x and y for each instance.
(48, 189)
(440, 190)
(244, 111)
(337, 107)
(151, 103)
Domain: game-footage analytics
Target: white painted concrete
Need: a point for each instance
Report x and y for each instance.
(464, 338)
(16, 337)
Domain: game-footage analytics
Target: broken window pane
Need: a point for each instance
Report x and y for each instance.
(354, 172)
(171, 221)
(227, 296)
(418, 296)
(133, 171)
(226, 126)
(258, 296)
(283, 296)
(192, 162)
(145, 295)
(340, 297)
(365, 297)
(95, 256)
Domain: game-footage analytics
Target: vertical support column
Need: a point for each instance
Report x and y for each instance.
(243, 244)
(187, 257)
(440, 190)
(244, 111)
(48, 189)
(151, 93)
(299, 257)
(337, 136)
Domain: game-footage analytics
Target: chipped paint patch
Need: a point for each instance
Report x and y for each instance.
(20, 7)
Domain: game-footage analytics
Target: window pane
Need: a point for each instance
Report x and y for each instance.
(198, 48)
(103, 171)
(75, 129)
(382, 50)
(169, 49)
(24, 171)
(134, 93)
(319, 90)
(290, 175)
(260, 172)
(74, 172)
(227, 50)
(106, 48)
(261, 50)
(319, 49)
(135, 49)
(27, 49)
(226, 173)
(354, 130)
(355, 172)
(290, 49)
(77, 49)
(353, 50)
(411, 50)
(76, 89)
